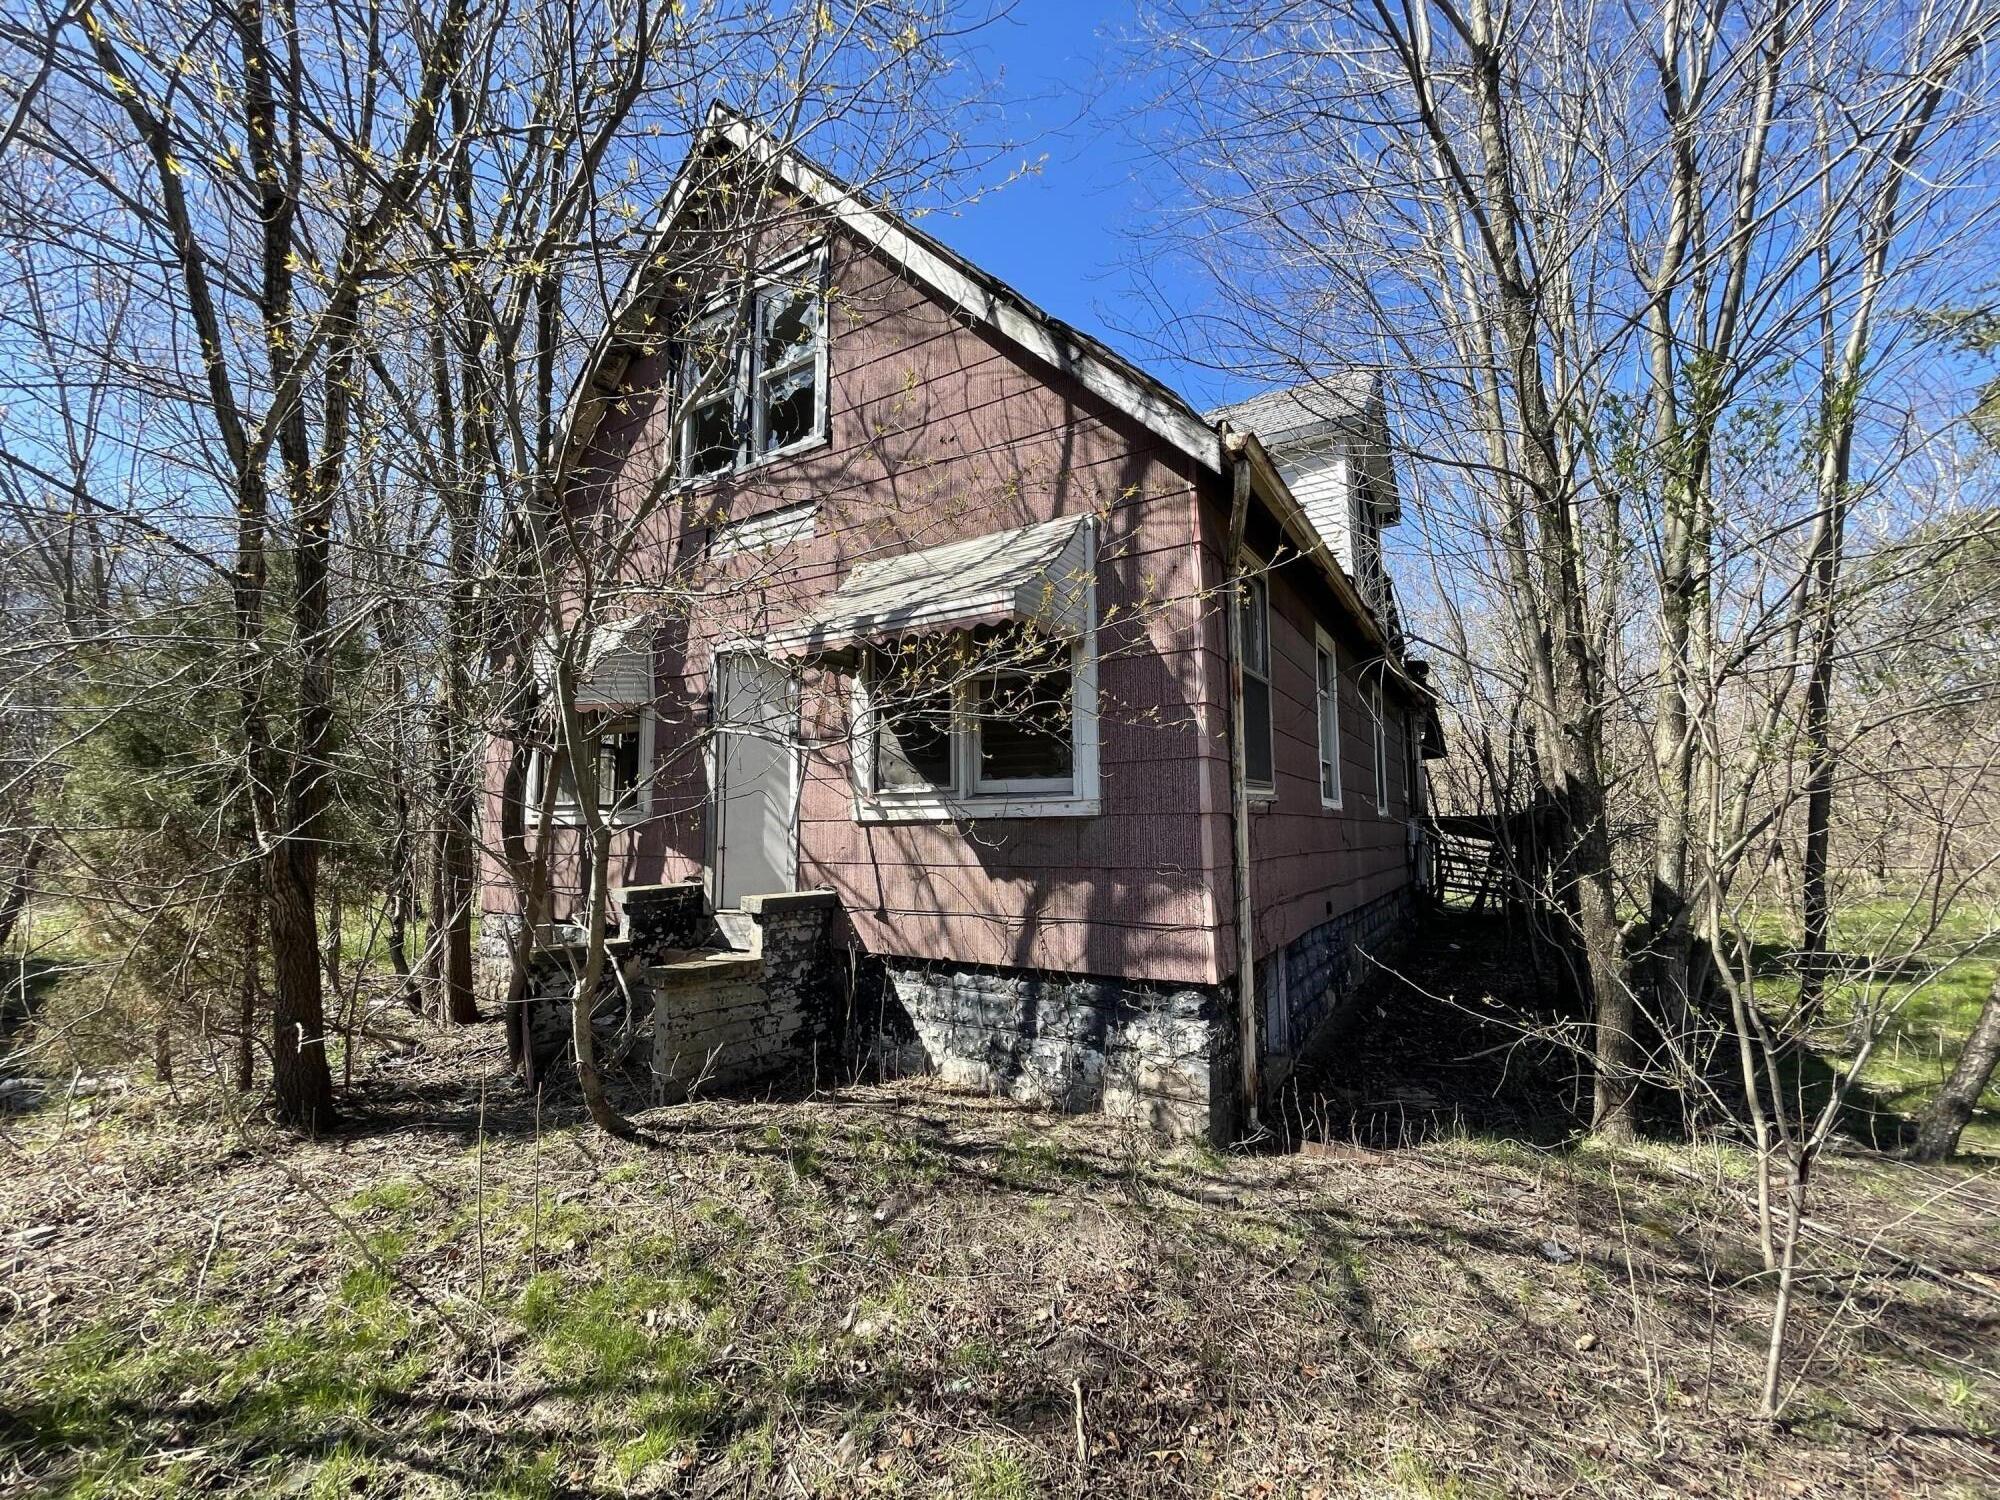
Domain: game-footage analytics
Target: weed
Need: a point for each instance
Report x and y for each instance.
(990, 1473)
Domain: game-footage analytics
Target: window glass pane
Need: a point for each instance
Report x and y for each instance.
(617, 763)
(791, 327)
(1329, 726)
(1024, 727)
(711, 438)
(1256, 640)
(912, 730)
(1381, 750)
(790, 406)
(708, 364)
(1256, 730)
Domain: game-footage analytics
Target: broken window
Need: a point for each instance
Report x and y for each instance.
(788, 349)
(709, 442)
(760, 395)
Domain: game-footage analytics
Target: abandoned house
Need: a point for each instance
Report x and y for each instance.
(969, 669)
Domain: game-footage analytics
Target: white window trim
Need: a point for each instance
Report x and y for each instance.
(1322, 696)
(745, 378)
(566, 813)
(1260, 585)
(1381, 727)
(966, 798)
(730, 394)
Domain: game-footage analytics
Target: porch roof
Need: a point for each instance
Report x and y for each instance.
(1039, 573)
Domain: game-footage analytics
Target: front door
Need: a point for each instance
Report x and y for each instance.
(756, 780)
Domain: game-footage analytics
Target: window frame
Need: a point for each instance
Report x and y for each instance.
(1327, 695)
(566, 812)
(804, 270)
(977, 785)
(1381, 735)
(812, 286)
(966, 798)
(1257, 585)
(729, 395)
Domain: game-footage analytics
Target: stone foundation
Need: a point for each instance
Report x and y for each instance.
(1161, 1055)
(1323, 969)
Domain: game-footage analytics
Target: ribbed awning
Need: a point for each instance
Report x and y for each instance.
(1036, 573)
(617, 668)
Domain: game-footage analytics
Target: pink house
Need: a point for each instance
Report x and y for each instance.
(1083, 705)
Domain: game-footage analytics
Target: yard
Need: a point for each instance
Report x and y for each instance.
(895, 1290)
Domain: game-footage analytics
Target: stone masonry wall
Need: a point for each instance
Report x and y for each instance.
(1162, 1056)
(1324, 968)
(725, 1018)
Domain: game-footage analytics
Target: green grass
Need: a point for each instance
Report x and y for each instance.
(1922, 1019)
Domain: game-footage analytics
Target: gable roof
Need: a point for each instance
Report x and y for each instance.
(983, 299)
(1287, 417)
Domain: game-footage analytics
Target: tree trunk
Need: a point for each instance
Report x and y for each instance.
(301, 1079)
(246, 1018)
(1939, 1126)
(16, 899)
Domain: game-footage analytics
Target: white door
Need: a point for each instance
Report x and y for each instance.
(755, 818)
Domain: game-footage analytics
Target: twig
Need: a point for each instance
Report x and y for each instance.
(201, 1277)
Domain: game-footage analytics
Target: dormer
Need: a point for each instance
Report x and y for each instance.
(1330, 441)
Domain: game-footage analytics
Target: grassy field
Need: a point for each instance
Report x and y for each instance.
(898, 1291)
(1925, 1006)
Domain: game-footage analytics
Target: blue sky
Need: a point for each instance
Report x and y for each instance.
(1063, 236)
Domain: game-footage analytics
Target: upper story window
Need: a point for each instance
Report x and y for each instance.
(765, 394)
(1253, 605)
(1326, 668)
(785, 409)
(709, 426)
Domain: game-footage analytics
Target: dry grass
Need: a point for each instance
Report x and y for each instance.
(899, 1291)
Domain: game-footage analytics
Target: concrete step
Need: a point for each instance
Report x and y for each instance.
(739, 930)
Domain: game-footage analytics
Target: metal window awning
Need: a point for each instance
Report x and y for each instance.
(1040, 574)
(617, 668)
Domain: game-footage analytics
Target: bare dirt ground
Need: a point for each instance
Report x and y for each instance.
(895, 1290)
